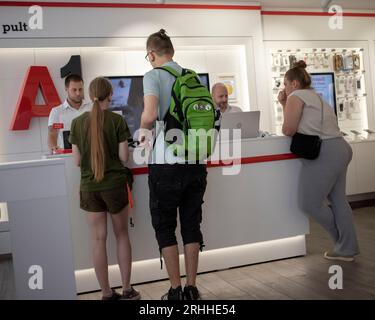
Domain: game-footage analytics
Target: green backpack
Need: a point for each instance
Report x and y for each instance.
(192, 111)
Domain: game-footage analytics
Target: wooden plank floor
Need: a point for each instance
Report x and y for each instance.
(295, 278)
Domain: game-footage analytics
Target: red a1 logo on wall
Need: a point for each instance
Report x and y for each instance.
(39, 77)
(36, 77)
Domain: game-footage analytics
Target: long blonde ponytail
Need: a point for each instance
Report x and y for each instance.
(100, 89)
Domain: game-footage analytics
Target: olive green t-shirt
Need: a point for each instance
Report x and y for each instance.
(115, 131)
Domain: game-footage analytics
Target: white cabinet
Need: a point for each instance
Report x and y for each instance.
(361, 171)
(37, 204)
(365, 166)
(4, 229)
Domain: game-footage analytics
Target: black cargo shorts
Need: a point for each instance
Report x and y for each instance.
(172, 187)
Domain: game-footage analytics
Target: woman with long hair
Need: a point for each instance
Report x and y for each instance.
(104, 183)
(325, 177)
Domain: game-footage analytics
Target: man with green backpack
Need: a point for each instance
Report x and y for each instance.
(181, 111)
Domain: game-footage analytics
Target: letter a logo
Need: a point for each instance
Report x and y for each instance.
(36, 280)
(335, 281)
(336, 20)
(36, 77)
(36, 20)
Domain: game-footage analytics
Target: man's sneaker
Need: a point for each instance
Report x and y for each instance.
(191, 293)
(330, 255)
(130, 294)
(114, 296)
(174, 294)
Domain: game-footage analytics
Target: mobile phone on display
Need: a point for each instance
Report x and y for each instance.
(67, 144)
(358, 84)
(369, 131)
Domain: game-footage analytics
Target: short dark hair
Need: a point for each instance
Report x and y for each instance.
(160, 43)
(74, 78)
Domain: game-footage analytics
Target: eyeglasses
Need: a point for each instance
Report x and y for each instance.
(146, 56)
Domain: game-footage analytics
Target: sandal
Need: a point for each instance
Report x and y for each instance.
(130, 294)
(114, 296)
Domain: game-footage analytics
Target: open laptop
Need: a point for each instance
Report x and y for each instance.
(248, 122)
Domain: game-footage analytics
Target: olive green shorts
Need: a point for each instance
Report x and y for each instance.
(112, 201)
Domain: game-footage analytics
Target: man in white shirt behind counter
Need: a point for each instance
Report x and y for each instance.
(60, 117)
(220, 97)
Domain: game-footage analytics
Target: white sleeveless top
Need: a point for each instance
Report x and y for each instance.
(311, 119)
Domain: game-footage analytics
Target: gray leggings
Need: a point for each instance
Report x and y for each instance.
(325, 178)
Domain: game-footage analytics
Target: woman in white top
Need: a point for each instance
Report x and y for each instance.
(325, 177)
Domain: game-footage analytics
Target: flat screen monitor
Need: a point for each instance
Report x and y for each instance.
(127, 97)
(324, 85)
(204, 79)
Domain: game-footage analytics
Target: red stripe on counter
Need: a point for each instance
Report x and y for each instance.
(248, 160)
(138, 171)
(63, 151)
(258, 159)
(62, 4)
(316, 14)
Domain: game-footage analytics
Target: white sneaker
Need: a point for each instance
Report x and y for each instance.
(330, 255)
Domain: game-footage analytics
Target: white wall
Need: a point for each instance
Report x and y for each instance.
(111, 41)
(32, 143)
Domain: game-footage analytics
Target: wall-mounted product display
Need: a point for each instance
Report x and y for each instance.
(230, 82)
(337, 75)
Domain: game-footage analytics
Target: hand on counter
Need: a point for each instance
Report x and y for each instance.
(55, 150)
(145, 138)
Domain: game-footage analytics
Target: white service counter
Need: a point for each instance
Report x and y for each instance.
(244, 216)
(248, 217)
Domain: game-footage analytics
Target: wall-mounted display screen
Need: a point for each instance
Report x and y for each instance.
(128, 97)
(324, 85)
(204, 79)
